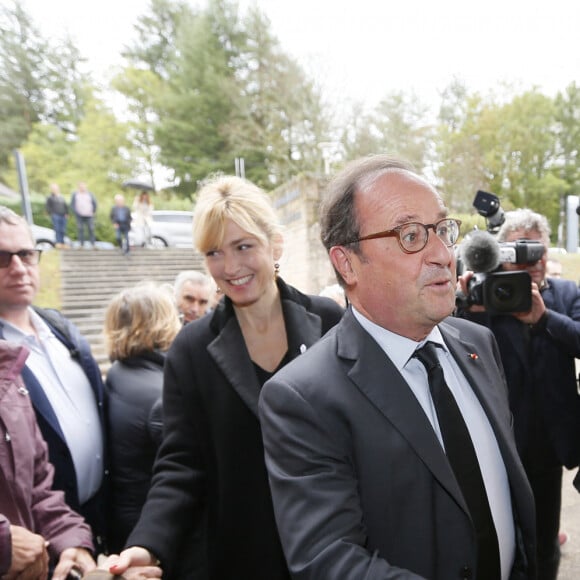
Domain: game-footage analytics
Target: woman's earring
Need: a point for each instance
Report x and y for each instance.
(276, 270)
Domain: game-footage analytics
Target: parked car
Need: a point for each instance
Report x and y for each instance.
(45, 239)
(170, 228)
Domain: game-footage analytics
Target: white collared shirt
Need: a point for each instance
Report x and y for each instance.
(70, 394)
(400, 351)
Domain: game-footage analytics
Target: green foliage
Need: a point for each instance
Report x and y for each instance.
(197, 102)
(22, 69)
(202, 87)
(39, 82)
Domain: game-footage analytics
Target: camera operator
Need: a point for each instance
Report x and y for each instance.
(538, 348)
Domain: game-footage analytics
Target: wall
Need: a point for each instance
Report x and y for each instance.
(305, 263)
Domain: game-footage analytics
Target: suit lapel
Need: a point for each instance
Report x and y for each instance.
(229, 350)
(380, 381)
(303, 328)
(40, 401)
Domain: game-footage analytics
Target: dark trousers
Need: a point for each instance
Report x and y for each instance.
(547, 487)
(544, 473)
(89, 224)
(59, 227)
(122, 236)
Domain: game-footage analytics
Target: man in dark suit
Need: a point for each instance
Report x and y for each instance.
(538, 350)
(357, 452)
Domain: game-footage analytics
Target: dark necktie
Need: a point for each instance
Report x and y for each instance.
(463, 460)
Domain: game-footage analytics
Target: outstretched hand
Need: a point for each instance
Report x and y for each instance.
(73, 559)
(134, 563)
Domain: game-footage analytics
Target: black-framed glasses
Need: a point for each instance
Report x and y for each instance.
(413, 236)
(28, 257)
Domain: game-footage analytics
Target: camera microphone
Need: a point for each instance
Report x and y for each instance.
(480, 252)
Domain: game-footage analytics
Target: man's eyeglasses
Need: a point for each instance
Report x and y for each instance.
(28, 257)
(413, 237)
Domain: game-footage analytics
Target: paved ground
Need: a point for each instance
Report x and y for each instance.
(570, 523)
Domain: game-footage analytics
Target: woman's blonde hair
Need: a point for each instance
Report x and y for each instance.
(140, 319)
(228, 197)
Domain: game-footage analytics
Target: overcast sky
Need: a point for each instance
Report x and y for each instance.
(363, 49)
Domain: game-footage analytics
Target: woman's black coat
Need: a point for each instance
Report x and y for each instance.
(210, 506)
(134, 387)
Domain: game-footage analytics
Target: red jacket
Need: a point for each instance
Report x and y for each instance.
(26, 495)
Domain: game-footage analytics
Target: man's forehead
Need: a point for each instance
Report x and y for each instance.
(189, 287)
(10, 233)
(398, 192)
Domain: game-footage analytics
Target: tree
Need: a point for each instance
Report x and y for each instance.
(141, 88)
(66, 87)
(460, 168)
(46, 153)
(22, 72)
(155, 46)
(278, 121)
(196, 105)
(402, 123)
(567, 128)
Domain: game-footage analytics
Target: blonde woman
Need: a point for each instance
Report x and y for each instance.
(209, 513)
(140, 325)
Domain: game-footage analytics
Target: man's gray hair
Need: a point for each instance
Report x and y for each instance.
(527, 220)
(7, 216)
(191, 276)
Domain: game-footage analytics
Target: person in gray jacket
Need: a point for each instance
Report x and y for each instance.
(365, 447)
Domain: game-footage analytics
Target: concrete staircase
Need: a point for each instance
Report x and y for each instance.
(90, 278)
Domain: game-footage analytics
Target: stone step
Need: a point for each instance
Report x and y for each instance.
(90, 278)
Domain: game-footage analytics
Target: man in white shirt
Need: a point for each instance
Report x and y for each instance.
(362, 469)
(61, 375)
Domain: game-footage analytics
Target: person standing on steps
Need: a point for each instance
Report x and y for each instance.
(121, 217)
(84, 206)
(57, 209)
(143, 217)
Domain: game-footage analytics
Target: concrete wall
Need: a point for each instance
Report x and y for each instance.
(304, 263)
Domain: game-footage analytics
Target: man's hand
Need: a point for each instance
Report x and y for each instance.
(463, 287)
(78, 560)
(29, 555)
(134, 563)
(538, 308)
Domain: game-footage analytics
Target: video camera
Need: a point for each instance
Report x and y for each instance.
(480, 252)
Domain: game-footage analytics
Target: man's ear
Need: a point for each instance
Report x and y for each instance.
(341, 260)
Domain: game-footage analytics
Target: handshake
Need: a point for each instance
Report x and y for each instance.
(132, 564)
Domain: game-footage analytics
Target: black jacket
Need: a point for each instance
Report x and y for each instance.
(210, 487)
(540, 371)
(134, 426)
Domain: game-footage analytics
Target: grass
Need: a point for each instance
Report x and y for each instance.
(49, 293)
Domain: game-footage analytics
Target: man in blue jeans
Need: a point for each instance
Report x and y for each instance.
(57, 209)
(84, 205)
(121, 218)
